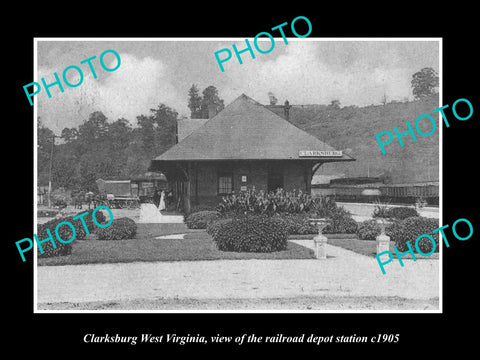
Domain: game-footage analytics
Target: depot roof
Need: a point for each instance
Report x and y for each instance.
(247, 130)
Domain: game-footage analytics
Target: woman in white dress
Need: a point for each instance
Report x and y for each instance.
(161, 206)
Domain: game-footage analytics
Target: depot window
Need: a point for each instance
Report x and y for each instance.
(225, 182)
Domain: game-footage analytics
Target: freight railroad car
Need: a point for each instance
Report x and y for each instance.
(409, 193)
(361, 190)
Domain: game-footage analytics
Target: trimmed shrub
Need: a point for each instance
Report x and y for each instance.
(297, 224)
(99, 216)
(252, 234)
(368, 230)
(65, 232)
(200, 220)
(344, 225)
(410, 229)
(341, 222)
(215, 225)
(120, 229)
(394, 230)
(401, 213)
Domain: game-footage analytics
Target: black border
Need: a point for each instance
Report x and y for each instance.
(429, 333)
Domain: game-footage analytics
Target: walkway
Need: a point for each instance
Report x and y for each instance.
(149, 214)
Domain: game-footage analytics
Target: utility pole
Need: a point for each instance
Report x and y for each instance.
(50, 174)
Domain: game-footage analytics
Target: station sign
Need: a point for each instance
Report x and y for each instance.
(320, 153)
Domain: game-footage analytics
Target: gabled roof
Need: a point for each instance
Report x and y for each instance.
(246, 130)
(187, 126)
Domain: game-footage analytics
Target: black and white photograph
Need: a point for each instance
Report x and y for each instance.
(262, 187)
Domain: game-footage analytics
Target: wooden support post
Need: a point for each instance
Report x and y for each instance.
(188, 205)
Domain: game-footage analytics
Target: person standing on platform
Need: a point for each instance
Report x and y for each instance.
(162, 201)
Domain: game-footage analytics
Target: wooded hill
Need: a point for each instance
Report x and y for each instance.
(353, 129)
(102, 148)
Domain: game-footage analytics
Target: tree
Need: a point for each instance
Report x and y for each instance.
(210, 97)
(335, 103)
(199, 105)
(155, 134)
(146, 133)
(194, 102)
(99, 149)
(117, 141)
(136, 162)
(64, 171)
(165, 120)
(69, 134)
(45, 140)
(95, 128)
(119, 135)
(424, 83)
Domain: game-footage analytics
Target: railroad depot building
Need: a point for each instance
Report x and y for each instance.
(244, 146)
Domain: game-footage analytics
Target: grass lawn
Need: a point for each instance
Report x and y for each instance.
(197, 245)
(148, 231)
(363, 247)
(369, 248)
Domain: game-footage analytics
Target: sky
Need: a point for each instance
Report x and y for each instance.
(304, 71)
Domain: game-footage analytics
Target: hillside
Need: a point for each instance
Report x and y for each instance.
(355, 128)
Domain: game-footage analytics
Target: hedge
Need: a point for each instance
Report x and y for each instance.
(120, 229)
(296, 224)
(215, 225)
(341, 222)
(251, 234)
(92, 227)
(299, 224)
(401, 213)
(394, 230)
(410, 229)
(47, 247)
(65, 232)
(368, 230)
(200, 220)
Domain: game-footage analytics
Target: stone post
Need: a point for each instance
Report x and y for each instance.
(320, 241)
(383, 243)
(383, 240)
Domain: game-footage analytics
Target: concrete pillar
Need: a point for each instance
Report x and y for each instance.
(383, 243)
(320, 242)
